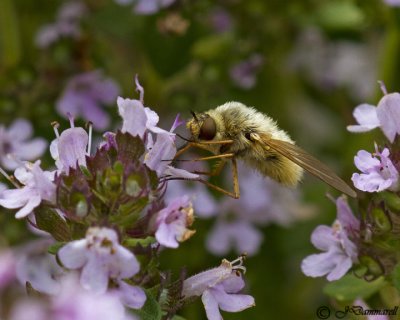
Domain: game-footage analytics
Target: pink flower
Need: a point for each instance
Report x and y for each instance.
(41, 270)
(38, 186)
(66, 25)
(385, 116)
(392, 3)
(85, 95)
(238, 234)
(378, 171)
(70, 149)
(218, 288)
(15, 146)
(101, 258)
(339, 250)
(146, 7)
(173, 222)
(7, 267)
(244, 73)
(141, 121)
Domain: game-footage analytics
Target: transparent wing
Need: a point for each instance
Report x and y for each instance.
(310, 164)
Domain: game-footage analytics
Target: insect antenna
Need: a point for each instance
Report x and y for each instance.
(194, 116)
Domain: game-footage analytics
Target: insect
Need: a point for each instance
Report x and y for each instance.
(234, 131)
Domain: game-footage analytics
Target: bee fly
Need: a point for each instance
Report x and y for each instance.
(234, 131)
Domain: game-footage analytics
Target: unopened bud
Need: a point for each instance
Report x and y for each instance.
(381, 219)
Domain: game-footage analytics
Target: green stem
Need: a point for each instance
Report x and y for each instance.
(9, 35)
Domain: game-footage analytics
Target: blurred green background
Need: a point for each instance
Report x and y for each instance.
(309, 63)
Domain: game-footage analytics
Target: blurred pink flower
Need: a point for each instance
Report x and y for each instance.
(339, 250)
(40, 269)
(84, 96)
(7, 267)
(101, 257)
(244, 74)
(392, 3)
(66, 25)
(147, 6)
(15, 146)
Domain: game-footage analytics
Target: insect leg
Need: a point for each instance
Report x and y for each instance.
(219, 156)
(201, 145)
(236, 191)
(215, 171)
(236, 188)
(185, 148)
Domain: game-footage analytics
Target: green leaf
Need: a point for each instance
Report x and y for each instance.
(132, 242)
(49, 220)
(151, 309)
(53, 249)
(176, 317)
(396, 277)
(129, 148)
(340, 15)
(350, 288)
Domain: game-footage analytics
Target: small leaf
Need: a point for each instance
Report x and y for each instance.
(176, 317)
(49, 220)
(133, 242)
(151, 309)
(53, 249)
(130, 148)
(350, 288)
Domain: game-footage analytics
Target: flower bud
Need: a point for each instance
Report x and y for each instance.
(381, 219)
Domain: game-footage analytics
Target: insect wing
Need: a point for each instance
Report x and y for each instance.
(310, 164)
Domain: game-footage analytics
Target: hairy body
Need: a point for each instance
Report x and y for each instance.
(241, 124)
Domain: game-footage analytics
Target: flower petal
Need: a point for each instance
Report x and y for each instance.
(211, 306)
(20, 130)
(342, 266)
(322, 238)
(231, 302)
(72, 146)
(388, 113)
(73, 254)
(318, 265)
(161, 154)
(166, 236)
(32, 203)
(31, 150)
(346, 216)
(371, 182)
(133, 116)
(94, 275)
(124, 263)
(180, 173)
(365, 162)
(366, 116)
(131, 296)
(233, 284)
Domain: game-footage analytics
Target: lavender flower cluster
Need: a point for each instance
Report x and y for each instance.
(365, 240)
(101, 221)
